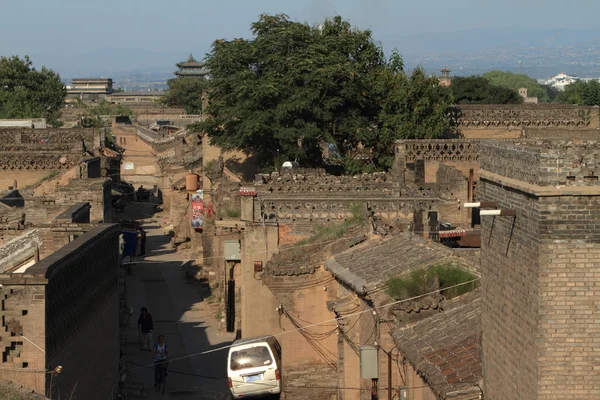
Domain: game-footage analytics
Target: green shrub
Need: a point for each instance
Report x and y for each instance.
(450, 275)
(421, 281)
(233, 212)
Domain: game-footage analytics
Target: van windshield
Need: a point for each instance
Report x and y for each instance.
(258, 356)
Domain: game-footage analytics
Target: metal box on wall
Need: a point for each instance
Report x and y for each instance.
(233, 250)
(369, 367)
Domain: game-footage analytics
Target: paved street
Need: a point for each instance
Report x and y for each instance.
(181, 315)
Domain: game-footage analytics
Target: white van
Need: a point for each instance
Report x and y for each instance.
(254, 367)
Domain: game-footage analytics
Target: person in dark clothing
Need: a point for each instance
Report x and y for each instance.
(143, 244)
(146, 326)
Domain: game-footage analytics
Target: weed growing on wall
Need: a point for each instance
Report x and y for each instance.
(334, 231)
(422, 281)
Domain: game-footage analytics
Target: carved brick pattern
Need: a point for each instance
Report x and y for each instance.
(520, 116)
(38, 161)
(11, 328)
(360, 185)
(459, 150)
(8, 137)
(78, 288)
(332, 209)
(39, 147)
(57, 137)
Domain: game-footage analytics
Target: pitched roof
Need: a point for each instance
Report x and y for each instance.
(369, 265)
(191, 62)
(446, 350)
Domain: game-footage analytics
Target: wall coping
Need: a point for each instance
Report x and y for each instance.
(55, 261)
(72, 212)
(537, 190)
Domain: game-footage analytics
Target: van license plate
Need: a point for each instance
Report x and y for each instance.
(253, 378)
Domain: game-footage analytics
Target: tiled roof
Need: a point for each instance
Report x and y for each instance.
(190, 62)
(370, 264)
(192, 72)
(446, 350)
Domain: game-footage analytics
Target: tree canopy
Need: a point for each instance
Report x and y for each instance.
(295, 88)
(186, 92)
(581, 93)
(93, 115)
(517, 81)
(28, 93)
(479, 90)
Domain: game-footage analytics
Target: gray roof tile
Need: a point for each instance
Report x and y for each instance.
(446, 349)
(370, 264)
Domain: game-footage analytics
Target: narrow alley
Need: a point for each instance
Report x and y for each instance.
(180, 313)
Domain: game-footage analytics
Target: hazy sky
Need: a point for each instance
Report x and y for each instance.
(76, 26)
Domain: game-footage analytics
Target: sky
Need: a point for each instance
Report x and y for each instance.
(59, 29)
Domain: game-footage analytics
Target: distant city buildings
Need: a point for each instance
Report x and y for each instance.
(560, 81)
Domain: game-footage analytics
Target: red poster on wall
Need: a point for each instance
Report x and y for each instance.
(197, 210)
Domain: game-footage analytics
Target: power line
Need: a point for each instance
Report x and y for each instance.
(320, 323)
(261, 383)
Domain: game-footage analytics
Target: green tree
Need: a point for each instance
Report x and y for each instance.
(478, 90)
(573, 93)
(186, 92)
(517, 81)
(581, 93)
(93, 115)
(294, 88)
(28, 93)
(552, 93)
(411, 107)
(591, 94)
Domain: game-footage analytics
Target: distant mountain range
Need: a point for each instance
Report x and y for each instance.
(539, 53)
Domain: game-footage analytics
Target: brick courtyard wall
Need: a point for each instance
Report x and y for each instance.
(23, 307)
(58, 312)
(82, 313)
(539, 271)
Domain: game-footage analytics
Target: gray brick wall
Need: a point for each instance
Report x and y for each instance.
(540, 274)
(510, 268)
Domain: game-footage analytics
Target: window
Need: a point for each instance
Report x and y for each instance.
(254, 357)
(277, 348)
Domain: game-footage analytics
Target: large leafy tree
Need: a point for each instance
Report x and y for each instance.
(29, 93)
(294, 88)
(186, 92)
(478, 90)
(410, 107)
(581, 93)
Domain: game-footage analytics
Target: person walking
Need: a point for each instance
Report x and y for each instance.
(143, 244)
(160, 354)
(146, 326)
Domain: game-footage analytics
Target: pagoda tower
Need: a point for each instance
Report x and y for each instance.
(445, 79)
(192, 67)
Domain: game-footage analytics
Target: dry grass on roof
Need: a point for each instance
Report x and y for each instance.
(10, 391)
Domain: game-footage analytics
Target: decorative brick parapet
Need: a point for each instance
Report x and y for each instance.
(550, 116)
